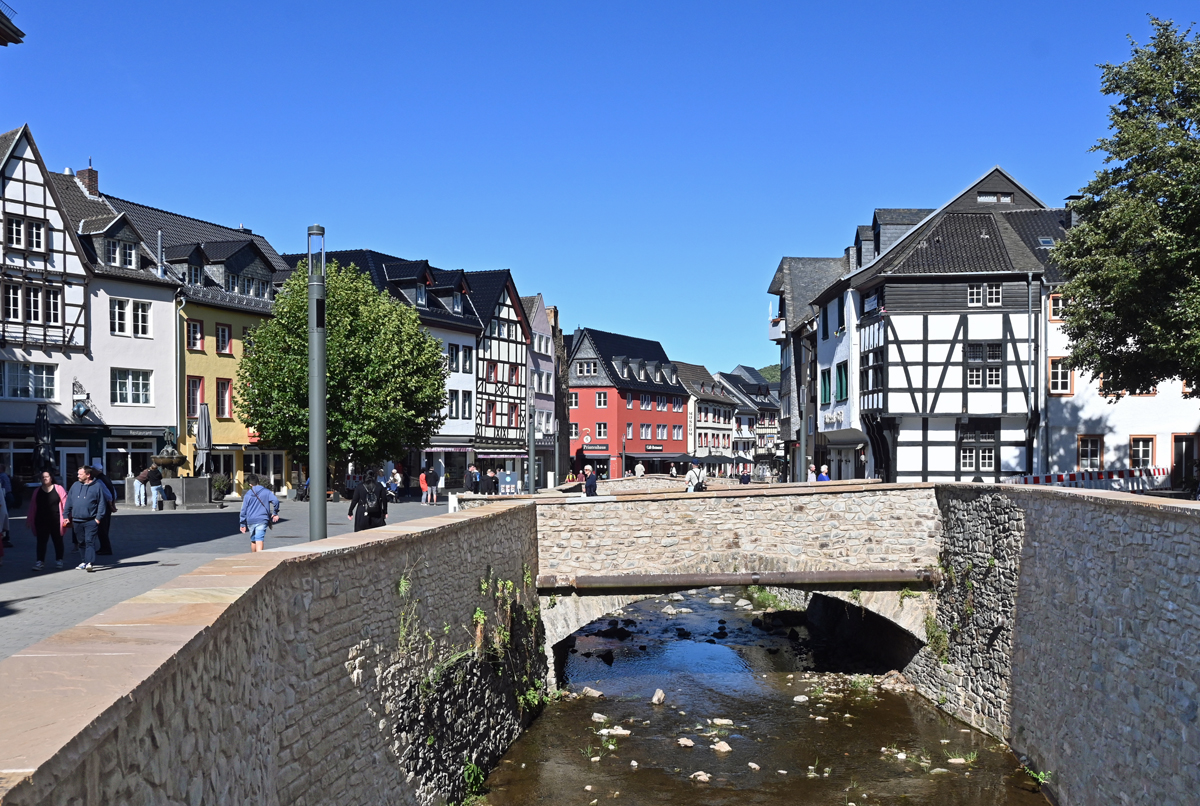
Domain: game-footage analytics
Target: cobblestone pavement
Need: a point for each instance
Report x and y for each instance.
(149, 549)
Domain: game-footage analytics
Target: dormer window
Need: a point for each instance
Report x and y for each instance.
(195, 275)
(994, 198)
(112, 250)
(421, 300)
(127, 255)
(456, 304)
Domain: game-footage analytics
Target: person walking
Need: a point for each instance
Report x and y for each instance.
(139, 487)
(639, 469)
(812, 473)
(674, 472)
(695, 479)
(85, 508)
(110, 494)
(490, 484)
(154, 479)
(589, 481)
(424, 487)
(260, 509)
(431, 478)
(475, 479)
(45, 519)
(370, 500)
(824, 475)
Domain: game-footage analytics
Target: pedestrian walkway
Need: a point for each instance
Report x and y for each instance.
(149, 549)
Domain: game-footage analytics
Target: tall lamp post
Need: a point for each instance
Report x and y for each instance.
(317, 437)
(532, 436)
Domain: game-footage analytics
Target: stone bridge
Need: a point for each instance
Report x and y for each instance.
(364, 668)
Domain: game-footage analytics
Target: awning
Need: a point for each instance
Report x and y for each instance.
(446, 449)
(668, 457)
(502, 455)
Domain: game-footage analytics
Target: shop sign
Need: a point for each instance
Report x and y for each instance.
(595, 447)
(652, 448)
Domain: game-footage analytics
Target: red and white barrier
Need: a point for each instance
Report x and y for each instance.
(1132, 480)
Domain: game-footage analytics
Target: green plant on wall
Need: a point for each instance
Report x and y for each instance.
(937, 639)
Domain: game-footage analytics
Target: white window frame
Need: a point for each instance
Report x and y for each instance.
(118, 316)
(422, 296)
(645, 401)
(966, 459)
(628, 430)
(987, 460)
(53, 314)
(31, 372)
(112, 251)
(33, 303)
(573, 400)
(35, 236)
(995, 294)
(601, 430)
(128, 252)
(130, 387)
(645, 431)
(660, 431)
(195, 275)
(602, 400)
(573, 428)
(226, 398)
(975, 295)
(15, 232)
(974, 377)
(993, 377)
(677, 432)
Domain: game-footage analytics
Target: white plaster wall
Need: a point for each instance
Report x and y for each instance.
(830, 353)
(460, 380)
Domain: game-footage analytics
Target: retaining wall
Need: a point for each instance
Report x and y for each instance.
(353, 670)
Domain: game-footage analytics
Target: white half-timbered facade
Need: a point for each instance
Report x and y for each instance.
(501, 368)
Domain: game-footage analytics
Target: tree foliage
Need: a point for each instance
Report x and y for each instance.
(1133, 261)
(386, 377)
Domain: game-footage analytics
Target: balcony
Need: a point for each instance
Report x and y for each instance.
(777, 330)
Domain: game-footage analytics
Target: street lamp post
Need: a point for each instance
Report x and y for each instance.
(317, 436)
(532, 486)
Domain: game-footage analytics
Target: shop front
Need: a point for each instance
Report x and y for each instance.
(450, 462)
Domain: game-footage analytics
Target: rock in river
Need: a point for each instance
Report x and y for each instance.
(659, 697)
(701, 776)
(722, 747)
(599, 718)
(591, 692)
(800, 698)
(685, 742)
(722, 721)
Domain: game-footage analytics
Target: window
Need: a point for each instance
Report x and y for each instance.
(645, 402)
(195, 334)
(843, 381)
(195, 395)
(966, 458)
(12, 302)
(1091, 453)
(677, 404)
(601, 430)
(466, 358)
(645, 431)
(574, 399)
(53, 306)
(660, 431)
(491, 371)
(1056, 308)
(826, 391)
(512, 330)
(452, 404)
(574, 429)
(602, 400)
(993, 377)
(974, 377)
(1062, 380)
(112, 251)
(987, 459)
(975, 295)
(677, 432)
(489, 416)
(129, 387)
(984, 197)
(195, 275)
(1141, 451)
(661, 402)
(824, 322)
(16, 232)
(628, 430)
(456, 303)
(514, 374)
(127, 255)
(995, 352)
(224, 340)
(467, 411)
(841, 303)
(993, 293)
(224, 398)
(421, 298)
(452, 357)
(141, 319)
(118, 310)
(629, 400)
(585, 368)
(30, 381)
(1044, 241)
(35, 235)
(33, 304)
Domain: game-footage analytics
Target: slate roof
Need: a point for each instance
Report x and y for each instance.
(8, 140)
(909, 216)
(693, 375)
(800, 279)
(865, 233)
(96, 215)
(530, 305)
(1032, 225)
(181, 229)
(486, 288)
(367, 260)
(749, 374)
(613, 345)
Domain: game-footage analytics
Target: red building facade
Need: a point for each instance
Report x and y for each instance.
(626, 404)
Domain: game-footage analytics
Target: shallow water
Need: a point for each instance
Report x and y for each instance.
(741, 673)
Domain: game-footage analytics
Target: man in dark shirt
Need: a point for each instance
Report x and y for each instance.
(589, 481)
(86, 506)
(431, 478)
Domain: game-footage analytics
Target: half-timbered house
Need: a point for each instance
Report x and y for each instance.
(501, 371)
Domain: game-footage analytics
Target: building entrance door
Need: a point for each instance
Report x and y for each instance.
(70, 459)
(1183, 460)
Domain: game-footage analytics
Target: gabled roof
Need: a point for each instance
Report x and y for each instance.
(907, 216)
(220, 251)
(486, 289)
(695, 378)
(864, 234)
(368, 261)
(800, 279)
(609, 346)
(750, 374)
(89, 215)
(7, 141)
(1032, 226)
(181, 229)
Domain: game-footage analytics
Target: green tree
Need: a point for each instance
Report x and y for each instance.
(386, 376)
(1133, 261)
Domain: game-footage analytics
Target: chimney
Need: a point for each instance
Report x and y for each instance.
(90, 178)
(1072, 216)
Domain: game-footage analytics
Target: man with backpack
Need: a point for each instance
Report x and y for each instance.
(260, 509)
(370, 499)
(695, 479)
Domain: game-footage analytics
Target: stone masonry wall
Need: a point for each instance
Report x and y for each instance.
(365, 674)
(757, 530)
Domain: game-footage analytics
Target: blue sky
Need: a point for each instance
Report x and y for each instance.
(643, 165)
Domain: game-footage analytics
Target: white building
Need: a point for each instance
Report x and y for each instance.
(543, 370)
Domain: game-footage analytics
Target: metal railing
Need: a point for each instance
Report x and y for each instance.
(7, 10)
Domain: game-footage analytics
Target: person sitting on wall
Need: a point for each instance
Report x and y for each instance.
(589, 481)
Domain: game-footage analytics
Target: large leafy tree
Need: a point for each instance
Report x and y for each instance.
(386, 376)
(1133, 261)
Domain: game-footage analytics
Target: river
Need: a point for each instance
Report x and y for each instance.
(730, 675)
